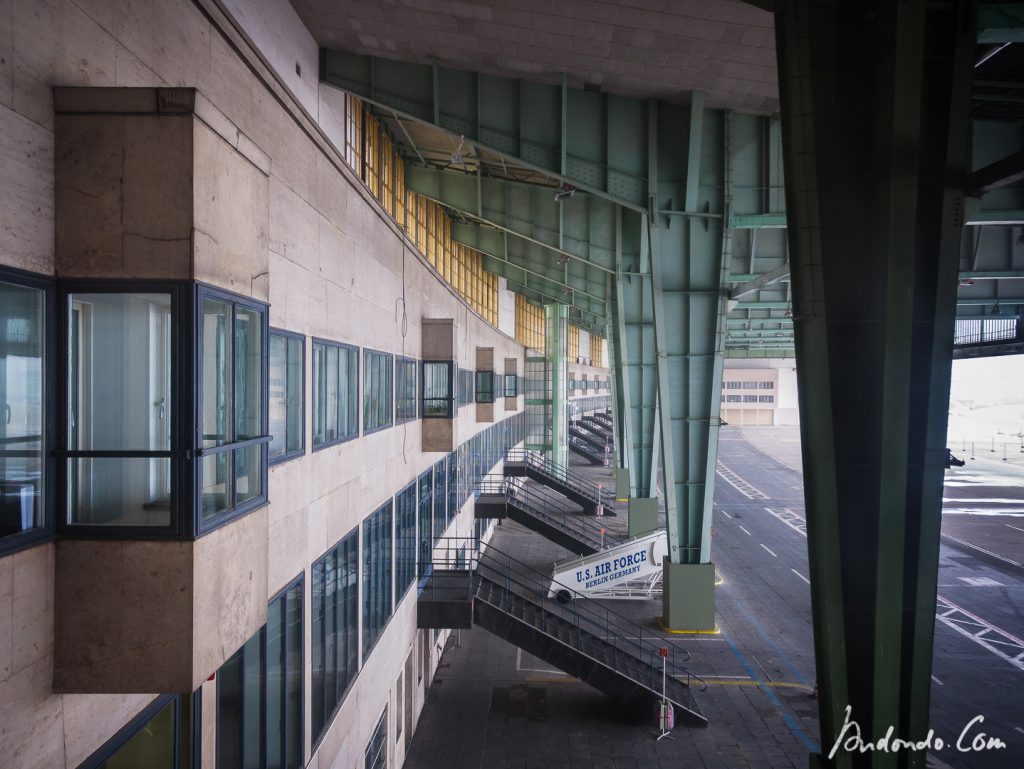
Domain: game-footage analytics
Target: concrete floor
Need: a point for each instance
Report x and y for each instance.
(760, 668)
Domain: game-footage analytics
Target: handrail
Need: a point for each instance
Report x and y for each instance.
(584, 614)
(585, 448)
(562, 474)
(546, 505)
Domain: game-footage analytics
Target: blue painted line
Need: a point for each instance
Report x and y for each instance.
(778, 651)
(810, 744)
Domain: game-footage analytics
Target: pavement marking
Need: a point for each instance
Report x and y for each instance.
(744, 488)
(983, 550)
(982, 582)
(1018, 528)
(1017, 728)
(1004, 645)
(729, 516)
(936, 680)
(801, 576)
(791, 519)
(744, 529)
(749, 682)
(768, 549)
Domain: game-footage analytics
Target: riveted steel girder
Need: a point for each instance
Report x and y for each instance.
(881, 139)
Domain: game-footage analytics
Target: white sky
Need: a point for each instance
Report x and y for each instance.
(988, 379)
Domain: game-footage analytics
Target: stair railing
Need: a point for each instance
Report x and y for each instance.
(562, 474)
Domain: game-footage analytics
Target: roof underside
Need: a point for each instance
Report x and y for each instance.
(642, 48)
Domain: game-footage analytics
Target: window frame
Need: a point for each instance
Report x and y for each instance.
(515, 385)
(21, 540)
(390, 357)
(400, 361)
(122, 736)
(301, 450)
(184, 387)
(452, 395)
(484, 376)
(235, 511)
(358, 394)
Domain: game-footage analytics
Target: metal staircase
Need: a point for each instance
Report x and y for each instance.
(586, 450)
(585, 493)
(583, 638)
(580, 431)
(543, 511)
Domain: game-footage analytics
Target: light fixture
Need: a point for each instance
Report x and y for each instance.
(564, 192)
(996, 310)
(457, 155)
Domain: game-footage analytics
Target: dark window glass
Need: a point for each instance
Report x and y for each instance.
(259, 693)
(485, 387)
(119, 399)
(438, 395)
(405, 538)
(161, 737)
(377, 592)
(335, 618)
(377, 393)
(405, 389)
(440, 499)
(233, 361)
(285, 388)
(426, 511)
(335, 393)
(453, 486)
(23, 422)
(465, 387)
(511, 385)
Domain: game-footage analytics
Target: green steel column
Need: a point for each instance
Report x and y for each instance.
(875, 111)
(556, 321)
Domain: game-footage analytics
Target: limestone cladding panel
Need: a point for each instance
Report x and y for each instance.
(230, 601)
(125, 627)
(231, 217)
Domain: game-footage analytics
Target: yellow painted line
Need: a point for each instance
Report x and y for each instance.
(751, 682)
(622, 499)
(661, 624)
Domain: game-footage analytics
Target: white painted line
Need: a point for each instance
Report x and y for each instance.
(744, 488)
(768, 549)
(791, 519)
(801, 576)
(1018, 528)
(1019, 729)
(747, 532)
(729, 516)
(983, 550)
(936, 680)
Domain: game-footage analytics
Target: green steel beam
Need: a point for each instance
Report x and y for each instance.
(1001, 23)
(1010, 218)
(1009, 170)
(762, 281)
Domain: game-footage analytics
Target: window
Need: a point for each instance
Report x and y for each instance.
(453, 486)
(376, 754)
(465, 387)
(165, 734)
(233, 357)
(426, 503)
(438, 396)
(286, 387)
(259, 692)
(335, 618)
(485, 387)
(335, 393)
(377, 403)
(767, 385)
(121, 419)
(405, 389)
(24, 373)
(377, 537)
(511, 386)
(733, 398)
(440, 499)
(750, 399)
(766, 399)
(405, 538)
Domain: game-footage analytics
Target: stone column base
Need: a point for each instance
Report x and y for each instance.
(643, 515)
(689, 596)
